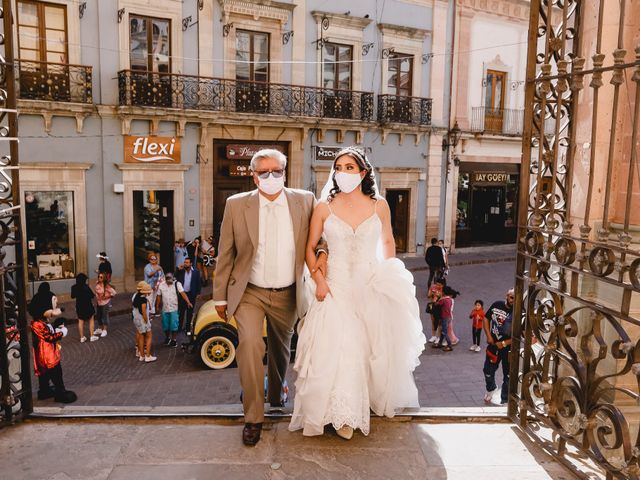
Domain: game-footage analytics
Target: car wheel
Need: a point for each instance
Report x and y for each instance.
(218, 350)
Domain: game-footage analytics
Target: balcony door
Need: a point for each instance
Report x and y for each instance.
(150, 60)
(495, 83)
(399, 84)
(252, 71)
(336, 80)
(43, 51)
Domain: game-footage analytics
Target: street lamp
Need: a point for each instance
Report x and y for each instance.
(452, 137)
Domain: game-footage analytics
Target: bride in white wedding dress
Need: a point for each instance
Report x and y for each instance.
(362, 337)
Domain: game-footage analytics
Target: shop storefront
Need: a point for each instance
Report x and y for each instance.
(487, 204)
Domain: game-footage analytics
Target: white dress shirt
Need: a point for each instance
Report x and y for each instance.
(286, 266)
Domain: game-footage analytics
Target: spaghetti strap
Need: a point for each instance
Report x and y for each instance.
(375, 205)
(329, 207)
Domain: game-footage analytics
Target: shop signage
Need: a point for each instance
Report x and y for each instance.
(246, 151)
(239, 170)
(491, 177)
(151, 149)
(326, 153)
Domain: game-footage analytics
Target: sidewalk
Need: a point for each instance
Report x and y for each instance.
(204, 449)
(462, 256)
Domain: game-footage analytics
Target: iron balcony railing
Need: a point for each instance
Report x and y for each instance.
(60, 82)
(399, 109)
(497, 121)
(168, 90)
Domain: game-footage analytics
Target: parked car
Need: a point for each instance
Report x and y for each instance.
(215, 340)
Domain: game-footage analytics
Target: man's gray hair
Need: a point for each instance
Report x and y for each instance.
(268, 153)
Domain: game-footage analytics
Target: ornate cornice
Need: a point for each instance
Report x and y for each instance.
(258, 9)
(512, 9)
(341, 20)
(410, 33)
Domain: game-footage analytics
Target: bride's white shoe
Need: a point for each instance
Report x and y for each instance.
(345, 432)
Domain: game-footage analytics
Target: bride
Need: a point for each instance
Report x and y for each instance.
(362, 336)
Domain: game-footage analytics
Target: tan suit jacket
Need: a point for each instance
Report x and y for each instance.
(239, 242)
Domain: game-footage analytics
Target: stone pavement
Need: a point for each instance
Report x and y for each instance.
(194, 449)
(106, 373)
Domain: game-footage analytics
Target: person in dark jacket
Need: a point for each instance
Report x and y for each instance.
(84, 306)
(435, 260)
(104, 266)
(189, 278)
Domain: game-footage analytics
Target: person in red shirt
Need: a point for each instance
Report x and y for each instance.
(446, 317)
(477, 319)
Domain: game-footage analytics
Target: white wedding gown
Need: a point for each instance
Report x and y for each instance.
(358, 348)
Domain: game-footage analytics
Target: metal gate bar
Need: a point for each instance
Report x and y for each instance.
(575, 357)
(15, 368)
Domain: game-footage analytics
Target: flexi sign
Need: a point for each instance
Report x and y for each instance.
(149, 149)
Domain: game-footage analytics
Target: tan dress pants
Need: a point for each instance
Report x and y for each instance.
(279, 307)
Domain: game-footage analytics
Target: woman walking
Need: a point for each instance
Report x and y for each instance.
(104, 293)
(84, 306)
(142, 321)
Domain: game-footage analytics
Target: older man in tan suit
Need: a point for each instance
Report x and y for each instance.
(260, 274)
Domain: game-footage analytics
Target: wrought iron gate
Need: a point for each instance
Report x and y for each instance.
(15, 368)
(576, 349)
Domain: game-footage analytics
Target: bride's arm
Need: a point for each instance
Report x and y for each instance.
(388, 242)
(316, 225)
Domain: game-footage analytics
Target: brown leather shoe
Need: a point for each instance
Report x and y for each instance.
(251, 433)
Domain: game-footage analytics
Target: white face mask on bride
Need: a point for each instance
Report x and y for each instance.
(348, 182)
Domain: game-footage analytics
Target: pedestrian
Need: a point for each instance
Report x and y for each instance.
(46, 351)
(142, 322)
(446, 318)
(208, 252)
(433, 309)
(189, 277)
(84, 307)
(153, 275)
(445, 256)
(168, 293)
(104, 293)
(180, 253)
(105, 265)
(497, 328)
(477, 320)
(434, 256)
(193, 250)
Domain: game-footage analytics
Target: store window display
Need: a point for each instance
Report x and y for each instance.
(50, 235)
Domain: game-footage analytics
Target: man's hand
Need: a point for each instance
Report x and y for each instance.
(321, 264)
(191, 306)
(222, 312)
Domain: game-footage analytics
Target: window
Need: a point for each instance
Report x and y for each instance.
(495, 82)
(42, 32)
(399, 74)
(336, 66)
(149, 44)
(50, 235)
(252, 55)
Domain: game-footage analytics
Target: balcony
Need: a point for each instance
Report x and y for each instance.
(408, 110)
(497, 121)
(57, 82)
(168, 90)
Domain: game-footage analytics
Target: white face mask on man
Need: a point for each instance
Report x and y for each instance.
(271, 185)
(348, 182)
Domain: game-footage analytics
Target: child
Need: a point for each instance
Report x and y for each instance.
(477, 317)
(46, 351)
(434, 294)
(446, 318)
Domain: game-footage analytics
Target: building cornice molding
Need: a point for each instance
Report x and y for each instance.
(164, 167)
(410, 33)
(512, 9)
(261, 9)
(55, 166)
(341, 20)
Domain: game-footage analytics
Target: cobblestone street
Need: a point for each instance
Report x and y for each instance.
(107, 373)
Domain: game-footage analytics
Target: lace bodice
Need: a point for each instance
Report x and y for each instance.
(351, 251)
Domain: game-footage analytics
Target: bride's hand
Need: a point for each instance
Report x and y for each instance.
(322, 289)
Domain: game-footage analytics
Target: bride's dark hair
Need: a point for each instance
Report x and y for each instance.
(368, 184)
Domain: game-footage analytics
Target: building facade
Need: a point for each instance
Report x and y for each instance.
(481, 178)
(138, 118)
